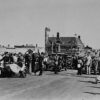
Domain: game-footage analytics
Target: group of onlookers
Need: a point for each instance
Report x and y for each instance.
(28, 59)
(35, 62)
(88, 64)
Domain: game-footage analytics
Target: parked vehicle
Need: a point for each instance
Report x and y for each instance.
(12, 70)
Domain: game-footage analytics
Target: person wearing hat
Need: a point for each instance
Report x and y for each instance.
(5, 59)
(20, 60)
(11, 59)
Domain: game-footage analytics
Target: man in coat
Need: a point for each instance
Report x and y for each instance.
(27, 62)
(41, 57)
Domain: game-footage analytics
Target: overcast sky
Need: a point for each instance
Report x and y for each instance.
(24, 21)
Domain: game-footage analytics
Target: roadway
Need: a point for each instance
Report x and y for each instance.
(64, 86)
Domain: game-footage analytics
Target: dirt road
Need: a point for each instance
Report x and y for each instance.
(64, 86)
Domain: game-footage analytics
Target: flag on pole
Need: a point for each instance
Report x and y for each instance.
(75, 34)
(47, 29)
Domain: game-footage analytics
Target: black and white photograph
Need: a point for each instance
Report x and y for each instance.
(49, 49)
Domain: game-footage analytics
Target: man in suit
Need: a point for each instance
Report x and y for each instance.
(41, 57)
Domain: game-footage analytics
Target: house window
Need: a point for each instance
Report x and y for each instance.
(63, 47)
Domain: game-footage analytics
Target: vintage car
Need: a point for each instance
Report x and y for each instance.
(51, 63)
(12, 70)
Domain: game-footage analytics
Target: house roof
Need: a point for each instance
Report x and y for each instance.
(65, 41)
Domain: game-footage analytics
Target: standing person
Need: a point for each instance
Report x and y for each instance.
(84, 65)
(74, 62)
(15, 58)
(27, 62)
(45, 62)
(41, 63)
(5, 59)
(99, 64)
(88, 64)
(20, 60)
(60, 63)
(33, 62)
(64, 63)
(56, 64)
(98, 76)
(79, 66)
(11, 59)
(96, 62)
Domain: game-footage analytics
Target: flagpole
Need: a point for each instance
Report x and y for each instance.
(45, 39)
(46, 29)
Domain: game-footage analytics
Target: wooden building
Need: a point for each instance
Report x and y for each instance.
(66, 45)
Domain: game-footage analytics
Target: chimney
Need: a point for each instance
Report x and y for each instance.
(79, 37)
(57, 35)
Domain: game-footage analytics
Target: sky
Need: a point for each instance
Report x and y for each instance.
(24, 21)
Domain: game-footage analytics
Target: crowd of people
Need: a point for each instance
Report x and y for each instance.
(28, 59)
(37, 62)
(88, 64)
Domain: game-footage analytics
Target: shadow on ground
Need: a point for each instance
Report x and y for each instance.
(94, 87)
(88, 82)
(61, 74)
(92, 93)
(84, 76)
